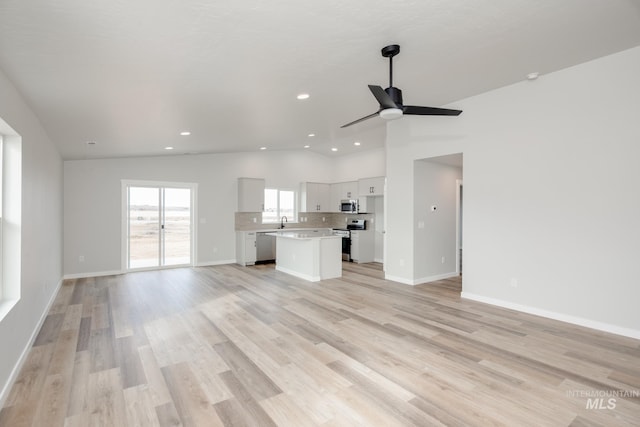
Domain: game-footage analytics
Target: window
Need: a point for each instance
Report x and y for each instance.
(10, 217)
(1, 181)
(279, 203)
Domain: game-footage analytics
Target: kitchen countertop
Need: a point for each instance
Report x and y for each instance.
(304, 234)
(286, 229)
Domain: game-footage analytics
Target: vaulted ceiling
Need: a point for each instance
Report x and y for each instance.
(131, 75)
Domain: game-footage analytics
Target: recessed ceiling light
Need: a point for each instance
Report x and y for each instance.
(263, 148)
(307, 146)
(303, 96)
(168, 148)
(334, 149)
(185, 133)
(356, 143)
(533, 76)
(311, 135)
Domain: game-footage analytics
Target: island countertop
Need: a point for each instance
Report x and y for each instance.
(304, 235)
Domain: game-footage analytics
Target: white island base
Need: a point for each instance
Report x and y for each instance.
(308, 255)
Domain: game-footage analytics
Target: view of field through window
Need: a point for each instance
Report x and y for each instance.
(151, 244)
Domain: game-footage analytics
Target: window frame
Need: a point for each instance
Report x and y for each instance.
(279, 215)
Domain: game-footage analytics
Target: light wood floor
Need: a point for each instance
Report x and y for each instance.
(238, 346)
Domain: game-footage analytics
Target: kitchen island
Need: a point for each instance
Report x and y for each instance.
(309, 255)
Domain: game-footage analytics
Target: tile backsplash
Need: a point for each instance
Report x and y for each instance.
(253, 220)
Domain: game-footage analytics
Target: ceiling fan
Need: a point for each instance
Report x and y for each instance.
(390, 99)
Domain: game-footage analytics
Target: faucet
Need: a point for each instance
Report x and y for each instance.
(282, 221)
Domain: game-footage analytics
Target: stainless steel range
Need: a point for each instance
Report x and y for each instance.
(345, 233)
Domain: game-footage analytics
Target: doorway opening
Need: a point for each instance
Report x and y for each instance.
(159, 224)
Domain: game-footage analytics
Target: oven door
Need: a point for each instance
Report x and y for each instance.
(346, 248)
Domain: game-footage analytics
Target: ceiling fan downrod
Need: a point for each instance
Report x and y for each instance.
(389, 52)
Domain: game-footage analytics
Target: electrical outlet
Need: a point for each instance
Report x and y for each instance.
(442, 260)
(514, 282)
(81, 258)
(255, 219)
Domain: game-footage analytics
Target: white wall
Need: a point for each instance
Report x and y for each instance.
(92, 199)
(434, 231)
(551, 192)
(41, 253)
(365, 164)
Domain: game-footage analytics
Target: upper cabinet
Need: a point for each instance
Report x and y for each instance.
(342, 191)
(371, 186)
(315, 197)
(251, 194)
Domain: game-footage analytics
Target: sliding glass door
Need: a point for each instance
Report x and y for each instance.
(159, 226)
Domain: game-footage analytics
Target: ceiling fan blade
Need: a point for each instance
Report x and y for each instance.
(430, 111)
(360, 120)
(383, 97)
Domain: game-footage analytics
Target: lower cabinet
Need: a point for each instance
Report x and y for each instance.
(246, 249)
(362, 246)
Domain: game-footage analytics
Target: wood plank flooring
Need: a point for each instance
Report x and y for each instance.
(249, 346)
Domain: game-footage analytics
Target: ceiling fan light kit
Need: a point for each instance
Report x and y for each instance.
(390, 99)
(391, 113)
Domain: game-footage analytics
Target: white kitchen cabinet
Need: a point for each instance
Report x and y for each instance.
(371, 186)
(246, 247)
(315, 197)
(362, 246)
(364, 205)
(342, 191)
(251, 194)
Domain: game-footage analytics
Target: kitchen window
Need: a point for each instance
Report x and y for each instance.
(279, 203)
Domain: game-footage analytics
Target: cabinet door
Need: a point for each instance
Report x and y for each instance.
(355, 246)
(250, 248)
(307, 197)
(336, 197)
(251, 194)
(350, 190)
(378, 186)
(371, 186)
(324, 197)
(315, 197)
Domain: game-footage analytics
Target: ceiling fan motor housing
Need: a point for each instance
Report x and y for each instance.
(395, 94)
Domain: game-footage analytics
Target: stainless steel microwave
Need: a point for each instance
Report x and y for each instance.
(349, 206)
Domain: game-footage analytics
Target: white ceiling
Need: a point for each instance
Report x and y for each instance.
(132, 74)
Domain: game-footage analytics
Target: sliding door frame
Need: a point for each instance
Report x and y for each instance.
(125, 184)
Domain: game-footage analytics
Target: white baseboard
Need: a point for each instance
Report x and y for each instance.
(4, 394)
(219, 262)
(435, 278)
(422, 280)
(87, 275)
(399, 280)
(116, 272)
(575, 320)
